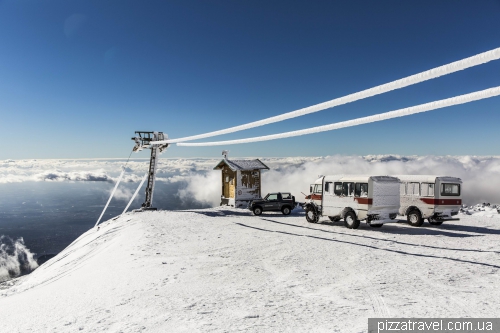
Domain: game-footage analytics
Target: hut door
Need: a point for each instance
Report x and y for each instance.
(229, 186)
(226, 187)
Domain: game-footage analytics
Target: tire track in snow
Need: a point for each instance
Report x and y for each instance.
(372, 246)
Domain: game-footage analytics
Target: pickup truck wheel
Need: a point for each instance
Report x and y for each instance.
(286, 210)
(350, 220)
(415, 219)
(257, 210)
(434, 222)
(311, 215)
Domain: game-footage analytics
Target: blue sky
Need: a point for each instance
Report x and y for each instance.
(77, 78)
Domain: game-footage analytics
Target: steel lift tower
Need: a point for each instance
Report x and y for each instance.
(143, 141)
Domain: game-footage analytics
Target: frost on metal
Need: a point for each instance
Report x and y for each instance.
(461, 99)
(436, 72)
(385, 194)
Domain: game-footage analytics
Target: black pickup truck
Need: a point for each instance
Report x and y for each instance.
(280, 201)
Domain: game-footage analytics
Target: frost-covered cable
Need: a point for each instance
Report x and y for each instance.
(135, 193)
(456, 66)
(364, 120)
(110, 197)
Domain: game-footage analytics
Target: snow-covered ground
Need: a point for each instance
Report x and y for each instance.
(225, 270)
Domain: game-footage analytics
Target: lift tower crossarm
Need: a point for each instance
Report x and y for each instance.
(143, 140)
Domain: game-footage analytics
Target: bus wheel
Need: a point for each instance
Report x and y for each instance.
(434, 222)
(415, 219)
(311, 215)
(350, 220)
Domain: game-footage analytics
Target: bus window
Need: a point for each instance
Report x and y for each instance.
(338, 188)
(361, 190)
(402, 189)
(413, 189)
(450, 189)
(318, 189)
(348, 189)
(329, 187)
(427, 189)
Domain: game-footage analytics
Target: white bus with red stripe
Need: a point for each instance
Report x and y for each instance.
(436, 198)
(354, 198)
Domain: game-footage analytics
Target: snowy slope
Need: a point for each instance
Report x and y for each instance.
(223, 270)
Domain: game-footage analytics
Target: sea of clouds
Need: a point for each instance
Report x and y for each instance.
(198, 180)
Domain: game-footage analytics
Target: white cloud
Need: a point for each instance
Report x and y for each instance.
(15, 258)
(481, 175)
(203, 187)
(122, 193)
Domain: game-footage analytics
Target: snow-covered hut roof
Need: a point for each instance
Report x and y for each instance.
(241, 164)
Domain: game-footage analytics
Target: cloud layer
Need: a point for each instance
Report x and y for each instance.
(196, 179)
(480, 175)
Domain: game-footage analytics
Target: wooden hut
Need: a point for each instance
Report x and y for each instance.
(240, 181)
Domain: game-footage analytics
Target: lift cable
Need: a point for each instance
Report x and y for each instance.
(456, 66)
(462, 99)
(113, 192)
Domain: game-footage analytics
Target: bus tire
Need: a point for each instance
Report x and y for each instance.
(350, 220)
(311, 215)
(434, 222)
(414, 218)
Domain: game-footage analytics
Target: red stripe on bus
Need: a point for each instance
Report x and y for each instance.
(445, 202)
(364, 201)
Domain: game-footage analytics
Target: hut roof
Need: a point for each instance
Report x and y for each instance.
(241, 165)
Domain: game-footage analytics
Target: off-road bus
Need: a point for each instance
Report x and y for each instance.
(435, 198)
(354, 198)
